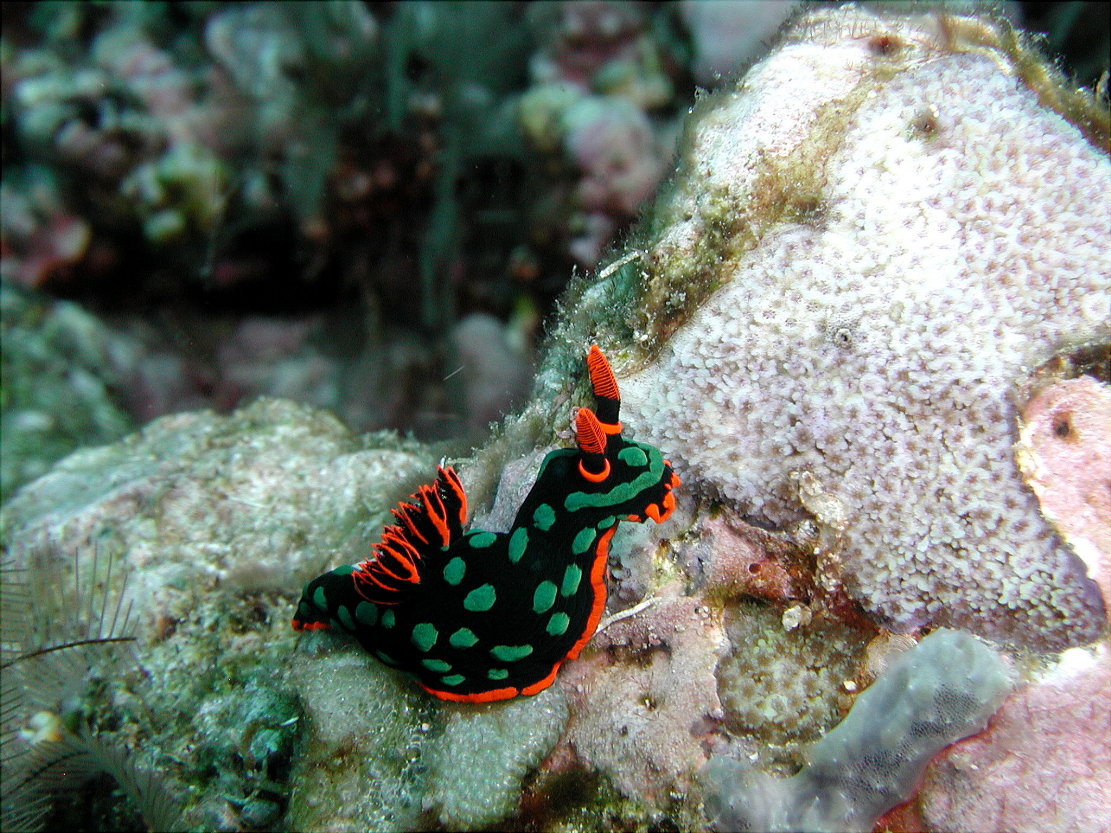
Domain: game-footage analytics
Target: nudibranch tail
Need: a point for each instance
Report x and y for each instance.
(480, 616)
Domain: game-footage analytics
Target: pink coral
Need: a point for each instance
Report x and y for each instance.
(740, 560)
(644, 696)
(1044, 763)
(584, 38)
(1064, 453)
(726, 36)
(612, 144)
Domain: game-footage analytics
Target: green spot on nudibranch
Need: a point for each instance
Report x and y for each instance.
(543, 516)
(558, 624)
(482, 539)
(510, 653)
(386, 658)
(517, 544)
(571, 578)
(387, 619)
(543, 597)
(621, 492)
(319, 598)
(425, 635)
(345, 617)
(634, 456)
(583, 541)
(480, 599)
(454, 679)
(454, 571)
(367, 613)
(497, 673)
(463, 638)
(437, 665)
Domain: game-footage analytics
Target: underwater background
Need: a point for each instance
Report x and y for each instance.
(264, 265)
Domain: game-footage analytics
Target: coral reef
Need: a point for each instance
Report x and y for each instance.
(1064, 453)
(198, 477)
(365, 730)
(643, 699)
(59, 384)
(1042, 765)
(827, 322)
(942, 690)
(475, 783)
(780, 686)
(878, 289)
(602, 85)
(213, 517)
(42, 240)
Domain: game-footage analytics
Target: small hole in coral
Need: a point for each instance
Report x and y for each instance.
(1061, 426)
(925, 124)
(754, 568)
(885, 45)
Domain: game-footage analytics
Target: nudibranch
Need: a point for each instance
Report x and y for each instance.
(480, 616)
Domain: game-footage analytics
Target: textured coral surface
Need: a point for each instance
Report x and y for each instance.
(1043, 765)
(1064, 453)
(783, 686)
(943, 689)
(644, 695)
(194, 500)
(954, 237)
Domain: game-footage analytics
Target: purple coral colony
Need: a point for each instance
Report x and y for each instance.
(268, 268)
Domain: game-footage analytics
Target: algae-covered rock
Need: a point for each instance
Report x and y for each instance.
(360, 765)
(57, 379)
(213, 524)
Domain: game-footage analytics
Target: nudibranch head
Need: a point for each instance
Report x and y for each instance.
(479, 616)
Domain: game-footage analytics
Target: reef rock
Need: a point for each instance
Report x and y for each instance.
(869, 242)
(644, 699)
(943, 689)
(1044, 764)
(1064, 452)
(849, 280)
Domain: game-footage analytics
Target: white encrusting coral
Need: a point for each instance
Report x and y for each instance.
(954, 240)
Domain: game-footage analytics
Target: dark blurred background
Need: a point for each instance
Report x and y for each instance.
(370, 207)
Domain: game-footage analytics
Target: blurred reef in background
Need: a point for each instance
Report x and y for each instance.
(364, 206)
(369, 207)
